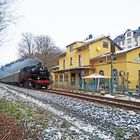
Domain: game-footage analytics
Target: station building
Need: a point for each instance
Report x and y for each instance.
(93, 56)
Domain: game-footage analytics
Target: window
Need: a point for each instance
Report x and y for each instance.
(61, 77)
(128, 40)
(139, 76)
(105, 44)
(64, 64)
(56, 77)
(136, 40)
(100, 61)
(101, 72)
(80, 60)
(71, 48)
(71, 62)
(66, 77)
(123, 42)
(128, 34)
(129, 46)
(119, 43)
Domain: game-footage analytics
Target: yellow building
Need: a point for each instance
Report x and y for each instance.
(91, 56)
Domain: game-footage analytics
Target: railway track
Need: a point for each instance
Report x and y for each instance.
(99, 99)
(127, 104)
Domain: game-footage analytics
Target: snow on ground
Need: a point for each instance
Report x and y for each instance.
(89, 119)
(123, 97)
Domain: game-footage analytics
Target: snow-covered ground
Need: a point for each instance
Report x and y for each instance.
(86, 120)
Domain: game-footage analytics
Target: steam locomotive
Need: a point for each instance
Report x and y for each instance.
(34, 76)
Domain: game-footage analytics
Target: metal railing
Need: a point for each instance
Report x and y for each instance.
(122, 87)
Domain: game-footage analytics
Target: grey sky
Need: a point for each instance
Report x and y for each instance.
(70, 20)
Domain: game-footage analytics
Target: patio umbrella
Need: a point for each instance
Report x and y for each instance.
(96, 76)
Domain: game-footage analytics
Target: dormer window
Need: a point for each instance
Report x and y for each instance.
(136, 41)
(119, 43)
(128, 34)
(123, 42)
(105, 44)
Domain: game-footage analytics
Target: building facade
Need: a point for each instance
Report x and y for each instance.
(93, 56)
(130, 39)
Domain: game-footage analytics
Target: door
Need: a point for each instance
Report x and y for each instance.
(80, 79)
(73, 79)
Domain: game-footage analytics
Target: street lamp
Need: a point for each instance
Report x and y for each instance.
(112, 74)
(112, 57)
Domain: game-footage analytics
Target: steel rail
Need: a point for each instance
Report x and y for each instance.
(99, 99)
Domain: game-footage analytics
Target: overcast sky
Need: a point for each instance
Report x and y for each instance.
(70, 20)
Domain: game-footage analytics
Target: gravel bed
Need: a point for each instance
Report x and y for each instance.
(85, 119)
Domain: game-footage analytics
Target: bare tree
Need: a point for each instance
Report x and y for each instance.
(40, 46)
(5, 17)
(47, 51)
(26, 46)
(44, 46)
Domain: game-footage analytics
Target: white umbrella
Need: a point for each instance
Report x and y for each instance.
(96, 76)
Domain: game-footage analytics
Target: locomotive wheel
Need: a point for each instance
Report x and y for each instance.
(46, 86)
(28, 84)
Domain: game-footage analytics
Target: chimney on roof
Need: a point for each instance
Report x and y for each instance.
(90, 36)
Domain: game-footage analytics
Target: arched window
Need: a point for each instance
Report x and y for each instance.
(101, 72)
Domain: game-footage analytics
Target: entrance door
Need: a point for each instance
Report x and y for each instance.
(139, 77)
(80, 79)
(73, 79)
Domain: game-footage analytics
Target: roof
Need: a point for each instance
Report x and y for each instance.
(122, 36)
(55, 66)
(88, 41)
(92, 40)
(127, 50)
(76, 68)
(74, 43)
(63, 54)
(119, 38)
(118, 52)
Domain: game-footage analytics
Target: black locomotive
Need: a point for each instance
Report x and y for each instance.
(35, 76)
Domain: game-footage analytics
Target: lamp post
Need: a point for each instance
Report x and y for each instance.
(112, 57)
(112, 74)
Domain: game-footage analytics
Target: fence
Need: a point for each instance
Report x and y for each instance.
(120, 86)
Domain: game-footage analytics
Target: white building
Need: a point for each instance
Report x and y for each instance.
(129, 39)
